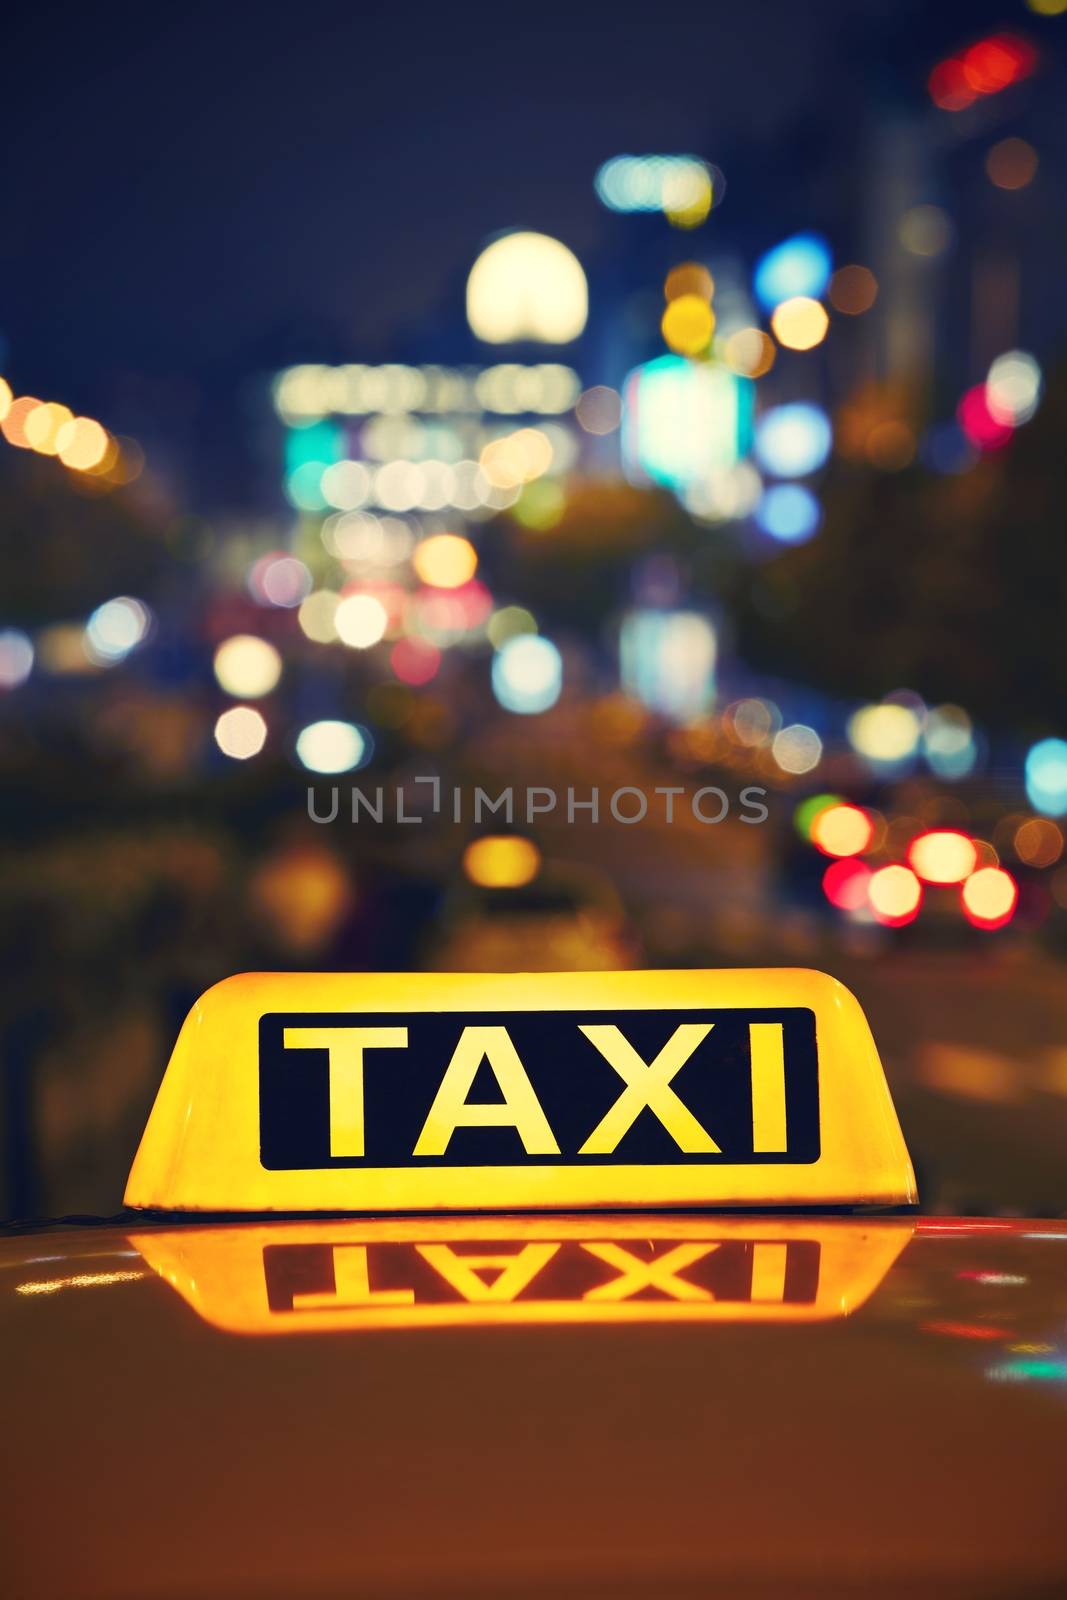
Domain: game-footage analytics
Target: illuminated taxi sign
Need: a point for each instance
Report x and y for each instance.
(396, 1092)
(327, 1277)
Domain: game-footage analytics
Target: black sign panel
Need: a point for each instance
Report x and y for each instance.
(574, 1083)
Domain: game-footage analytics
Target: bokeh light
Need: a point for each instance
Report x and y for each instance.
(16, 657)
(43, 425)
(942, 856)
(527, 286)
(989, 897)
(749, 352)
(895, 895)
(247, 667)
(318, 616)
(527, 674)
(948, 742)
(501, 861)
(800, 323)
(687, 325)
(688, 278)
(599, 409)
(508, 623)
(789, 512)
(982, 428)
(445, 560)
(1013, 388)
(279, 580)
(82, 444)
(330, 746)
(798, 266)
(853, 290)
(117, 627)
(842, 830)
(415, 661)
(1011, 164)
(846, 884)
(797, 748)
(1046, 777)
(361, 621)
(241, 732)
(887, 733)
(926, 231)
(1038, 842)
(793, 440)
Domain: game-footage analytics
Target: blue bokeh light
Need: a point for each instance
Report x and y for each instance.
(799, 265)
(793, 440)
(789, 512)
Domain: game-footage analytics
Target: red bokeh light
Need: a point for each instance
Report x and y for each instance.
(415, 661)
(978, 422)
(985, 68)
(845, 883)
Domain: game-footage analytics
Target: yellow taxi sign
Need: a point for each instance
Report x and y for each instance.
(421, 1092)
(434, 1272)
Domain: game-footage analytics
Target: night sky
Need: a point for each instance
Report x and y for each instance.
(181, 187)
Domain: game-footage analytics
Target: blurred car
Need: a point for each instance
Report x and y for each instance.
(569, 919)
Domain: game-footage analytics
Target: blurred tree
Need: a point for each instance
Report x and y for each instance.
(955, 586)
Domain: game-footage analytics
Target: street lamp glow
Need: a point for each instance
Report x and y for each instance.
(527, 286)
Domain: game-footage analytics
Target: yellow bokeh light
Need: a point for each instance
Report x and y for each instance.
(501, 861)
(800, 323)
(527, 286)
(1048, 8)
(688, 196)
(886, 732)
(894, 893)
(689, 277)
(853, 290)
(842, 831)
(989, 895)
(445, 560)
(81, 444)
(43, 425)
(943, 856)
(361, 621)
(13, 424)
(749, 352)
(6, 398)
(688, 324)
(517, 458)
(246, 666)
(240, 732)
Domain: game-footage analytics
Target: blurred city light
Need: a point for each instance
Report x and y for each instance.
(279, 580)
(687, 325)
(752, 721)
(527, 286)
(682, 187)
(942, 856)
(989, 897)
(842, 830)
(599, 409)
(797, 748)
(527, 674)
(749, 352)
(689, 277)
(793, 440)
(508, 623)
(16, 657)
(318, 616)
(885, 734)
(247, 667)
(926, 231)
(240, 732)
(789, 512)
(1011, 164)
(415, 661)
(117, 627)
(683, 419)
(1046, 777)
(853, 290)
(43, 425)
(667, 661)
(800, 265)
(800, 323)
(895, 895)
(846, 884)
(81, 444)
(361, 621)
(948, 742)
(811, 808)
(985, 68)
(1038, 842)
(1013, 388)
(445, 560)
(332, 746)
(501, 861)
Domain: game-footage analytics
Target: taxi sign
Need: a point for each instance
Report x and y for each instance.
(330, 1277)
(420, 1092)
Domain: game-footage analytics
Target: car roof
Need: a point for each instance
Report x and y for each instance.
(908, 1439)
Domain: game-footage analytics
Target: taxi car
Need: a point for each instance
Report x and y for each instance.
(527, 1285)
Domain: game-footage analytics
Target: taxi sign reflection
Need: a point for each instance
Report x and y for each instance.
(432, 1273)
